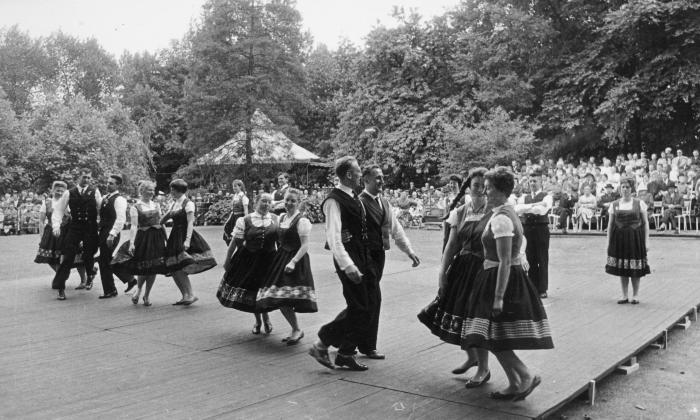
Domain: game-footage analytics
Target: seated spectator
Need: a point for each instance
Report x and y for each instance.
(564, 207)
(672, 204)
(609, 195)
(585, 208)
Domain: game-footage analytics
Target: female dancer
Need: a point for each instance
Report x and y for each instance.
(240, 208)
(462, 261)
(49, 246)
(186, 251)
(505, 312)
(143, 256)
(628, 240)
(248, 261)
(290, 284)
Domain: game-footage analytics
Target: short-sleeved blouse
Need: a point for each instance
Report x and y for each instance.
(256, 219)
(177, 205)
(303, 225)
(627, 206)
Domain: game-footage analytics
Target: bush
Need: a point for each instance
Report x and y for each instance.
(218, 212)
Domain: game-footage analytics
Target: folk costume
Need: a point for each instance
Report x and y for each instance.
(523, 322)
(198, 257)
(347, 237)
(445, 316)
(255, 237)
(148, 257)
(50, 246)
(112, 219)
(627, 253)
(278, 199)
(382, 225)
(535, 224)
(239, 204)
(295, 289)
(83, 203)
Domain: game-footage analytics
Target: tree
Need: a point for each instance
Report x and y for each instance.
(15, 146)
(246, 55)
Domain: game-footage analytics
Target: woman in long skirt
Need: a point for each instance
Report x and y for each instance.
(462, 261)
(248, 261)
(50, 246)
(239, 208)
(186, 251)
(505, 312)
(290, 284)
(144, 255)
(628, 240)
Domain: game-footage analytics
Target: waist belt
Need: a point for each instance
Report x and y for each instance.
(470, 252)
(142, 228)
(493, 264)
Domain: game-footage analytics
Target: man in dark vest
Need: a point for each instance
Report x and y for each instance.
(112, 219)
(279, 193)
(83, 201)
(381, 226)
(533, 210)
(346, 236)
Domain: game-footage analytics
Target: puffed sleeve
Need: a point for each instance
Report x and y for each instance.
(502, 226)
(643, 206)
(189, 207)
(453, 219)
(611, 209)
(239, 229)
(304, 227)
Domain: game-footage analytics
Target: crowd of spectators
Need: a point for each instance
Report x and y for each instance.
(669, 183)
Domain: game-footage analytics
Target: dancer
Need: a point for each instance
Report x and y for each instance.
(144, 254)
(505, 312)
(462, 262)
(381, 224)
(50, 246)
(346, 235)
(112, 219)
(186, 251)
(628, 240)
(533, 210)
(239, 208)
(248, 261)
(279, 193)
(290, 283)
(83, 202)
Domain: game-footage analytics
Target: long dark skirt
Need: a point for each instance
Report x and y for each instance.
(627, 253)
(522, 325)
(445, 317)
(196, 259)
(295, 290)
(148, 257)
(241, 283)
(50, 248)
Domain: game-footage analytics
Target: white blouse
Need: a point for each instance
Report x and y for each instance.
(256, 219)
(303, 226)
(627, 206)
(500, 225)
(177, 205)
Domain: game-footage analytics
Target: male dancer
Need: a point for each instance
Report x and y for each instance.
(83, 201)
(279, 193)
(533, 209)
(381, 224)
(112, 218)
(346, 236)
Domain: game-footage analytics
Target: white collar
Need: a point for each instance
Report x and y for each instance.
(374, 197)
(267, 215)
(291, 216)
(347, 190)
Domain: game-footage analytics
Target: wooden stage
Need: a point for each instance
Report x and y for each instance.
(90, 358)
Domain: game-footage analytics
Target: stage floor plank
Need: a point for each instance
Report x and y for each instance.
(88, 358)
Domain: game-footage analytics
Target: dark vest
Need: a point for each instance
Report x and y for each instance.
(260, 238)
(288, 238)
(534, 219)
(376, 216)
(278, 195)
(489, 242)
(352, 220)
(83, 208)
(108, 214)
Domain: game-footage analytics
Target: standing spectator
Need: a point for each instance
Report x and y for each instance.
(628, 241)
(604, 202)
(279, 193)
(239, 208)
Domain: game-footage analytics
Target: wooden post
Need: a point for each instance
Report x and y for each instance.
(685, 323)
(662, 342)
(629, 367)
(591, 392)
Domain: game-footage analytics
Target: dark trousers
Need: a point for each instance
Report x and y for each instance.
(669, 217)
(76, 234)
(352, 325)
(369, 343)
(105, 260)
(537, 253)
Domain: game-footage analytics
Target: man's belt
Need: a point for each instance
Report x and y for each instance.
(534, 219)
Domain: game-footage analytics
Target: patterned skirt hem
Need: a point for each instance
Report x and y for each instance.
(191, 263)
(626, 272)
(478, 341)
(237, 298)
(450, 336)
(300, 305)
(143, 268)
(508, 335)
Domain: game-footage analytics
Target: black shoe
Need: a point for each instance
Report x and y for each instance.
(349, 362)
(475, 384)
(521, 395)
(108, 295)
(321, 356)
(292, 341)
(130, 285)
(374, 355)
(61, 294)
(623, 301)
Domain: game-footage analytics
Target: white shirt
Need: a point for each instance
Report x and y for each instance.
(242, 198)
(303, 225)
(396, 232)
(522, 208)
(333, 230)
(177, 205)
(61, 205)
(120, 206)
